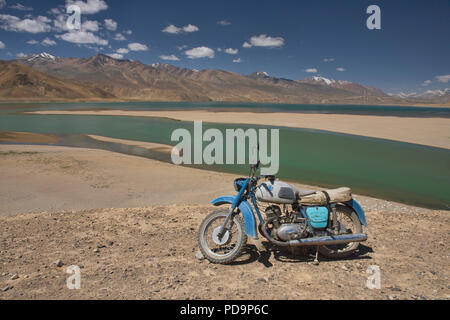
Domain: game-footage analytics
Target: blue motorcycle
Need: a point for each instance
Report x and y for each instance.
(329, 220)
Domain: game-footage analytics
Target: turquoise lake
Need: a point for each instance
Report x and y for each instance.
(397, 171)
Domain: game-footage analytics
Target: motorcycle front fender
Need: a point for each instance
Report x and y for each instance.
(359, 211)
(247, 213)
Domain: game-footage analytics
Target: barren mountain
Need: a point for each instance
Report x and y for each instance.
(132, 80)
(436, 96)
(18, 82)
(355, 88)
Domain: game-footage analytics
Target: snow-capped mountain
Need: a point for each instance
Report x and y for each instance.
(127, 79)
(345, 85)
(259, 74)
(43, 56)
(432, 95)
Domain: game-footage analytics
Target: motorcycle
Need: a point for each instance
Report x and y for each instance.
(329, 220)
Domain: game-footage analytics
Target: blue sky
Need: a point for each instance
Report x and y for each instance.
(289, 39)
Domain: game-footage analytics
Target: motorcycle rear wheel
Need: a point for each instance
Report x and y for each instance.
(234, 239)
(348, 219)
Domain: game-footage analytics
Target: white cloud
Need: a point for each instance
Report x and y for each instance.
(2, 3)
(128, 32)
(224, 23)
(48, 42)
(83, 37)
(90, 25)
(90, 6)
(426, 83)
(60, 23)
(231, 51)
(311, 70)
(137, 47)
(340, 69)
(172, 57)
(328, 59)
(31, 25)
(110, 24)
(237, 60)
(21, 55)
(264, 41)
(443, 79)
(200, 52)
(172, 29)
(19, 6)
(2, 45)
(176, 30)
(116, 56)
(182, 47)
(119, 37)
(123, 51)
(32, 42)
(190, 28)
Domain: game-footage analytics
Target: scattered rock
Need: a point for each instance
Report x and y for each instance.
(199, 255)
(392, 297)
(59, 263)
(262, 280)
(96, 250)
(7, 288)
(14, 277)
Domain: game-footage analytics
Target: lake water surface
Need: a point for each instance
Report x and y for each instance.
(403, 172)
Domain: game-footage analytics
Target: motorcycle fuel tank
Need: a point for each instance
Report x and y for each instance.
(275, 191)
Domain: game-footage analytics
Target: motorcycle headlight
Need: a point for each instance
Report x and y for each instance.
(238, 183)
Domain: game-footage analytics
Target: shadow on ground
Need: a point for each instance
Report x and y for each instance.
(251, 254)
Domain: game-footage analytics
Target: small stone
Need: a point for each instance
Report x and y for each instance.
(59, 263)
(344, 268)
(96, 250)
(199, 255)
(262, 280)
(14, 277)
(392, 297)
(7, 288)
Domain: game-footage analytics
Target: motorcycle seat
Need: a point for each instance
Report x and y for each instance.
(319, 197)
(299, 193)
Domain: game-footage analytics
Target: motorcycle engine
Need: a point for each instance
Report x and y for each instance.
(285, 228)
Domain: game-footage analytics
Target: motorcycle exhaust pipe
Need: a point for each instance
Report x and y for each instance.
(328, 240)
(317, 241)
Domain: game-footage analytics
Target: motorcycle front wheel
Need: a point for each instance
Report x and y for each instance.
(226, 249)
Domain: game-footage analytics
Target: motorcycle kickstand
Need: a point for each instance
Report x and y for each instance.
(316, 260)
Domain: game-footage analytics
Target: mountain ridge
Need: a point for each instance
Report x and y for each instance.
(133, 80)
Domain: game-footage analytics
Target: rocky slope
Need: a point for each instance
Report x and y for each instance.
(21, 82)
(132, 80)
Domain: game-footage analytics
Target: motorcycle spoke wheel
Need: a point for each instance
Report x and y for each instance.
(227, 248)
(348, 224)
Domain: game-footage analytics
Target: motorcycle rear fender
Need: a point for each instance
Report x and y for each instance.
(359, 211)
(247, 213)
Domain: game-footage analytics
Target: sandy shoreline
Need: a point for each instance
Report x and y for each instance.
(425, 131)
